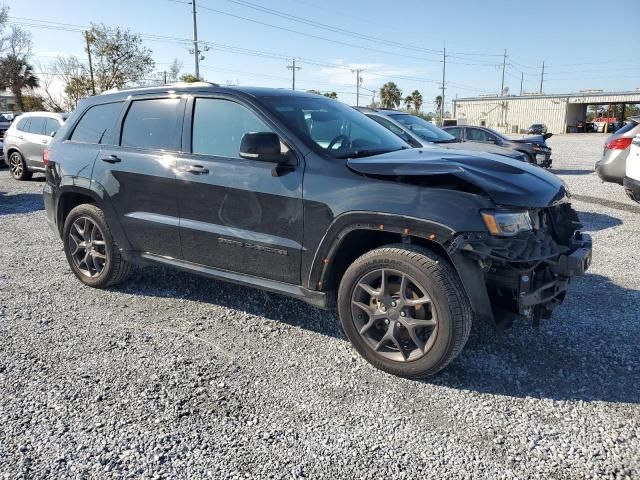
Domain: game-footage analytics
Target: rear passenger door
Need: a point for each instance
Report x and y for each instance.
(33, 141)
(138, 173)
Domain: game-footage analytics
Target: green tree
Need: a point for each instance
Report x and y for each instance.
(16, 74)
(408, 102)
(332, 95)
(417, 100)
(118, 55)
(437, 103)
(390, 95)
(75, 80)
(189, 78)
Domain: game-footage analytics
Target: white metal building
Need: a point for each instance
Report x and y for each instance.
(512, 114)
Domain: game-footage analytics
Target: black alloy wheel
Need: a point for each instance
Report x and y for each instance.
(405, 310)
(394, 314)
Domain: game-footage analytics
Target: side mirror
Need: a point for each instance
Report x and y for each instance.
(261, 146)
(52, 134)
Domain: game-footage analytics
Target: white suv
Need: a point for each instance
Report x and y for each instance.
(632, 176)
(25, 140)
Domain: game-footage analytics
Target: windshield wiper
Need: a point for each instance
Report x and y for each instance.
(452, 140)
(369, 152)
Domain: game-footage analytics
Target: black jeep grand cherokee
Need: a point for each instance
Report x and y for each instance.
(304, 196)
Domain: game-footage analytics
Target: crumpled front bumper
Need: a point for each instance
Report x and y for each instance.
(526, 275)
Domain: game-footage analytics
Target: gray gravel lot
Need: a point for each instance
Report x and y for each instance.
(177, 376)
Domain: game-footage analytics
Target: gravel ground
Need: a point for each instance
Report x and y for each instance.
(177, 376)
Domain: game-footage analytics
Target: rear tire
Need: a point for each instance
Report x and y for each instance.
(91, 251)
(18, 167)
(419, 325)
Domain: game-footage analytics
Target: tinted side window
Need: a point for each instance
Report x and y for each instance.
(455, 131)
(37, 125)
(152, 124)
(218, 127)
(23, 124)
(477, 135)
(96, 124)
(52, 126)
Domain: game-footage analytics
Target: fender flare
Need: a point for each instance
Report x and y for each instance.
(348, 222)
(96, 192)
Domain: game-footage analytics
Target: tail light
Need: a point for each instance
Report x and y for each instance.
(619, 143)
(45, 157)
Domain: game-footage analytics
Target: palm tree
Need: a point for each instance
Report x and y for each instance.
(390, 95)
(417, 100)
(16, 75)
(408, 101)
(437, 103)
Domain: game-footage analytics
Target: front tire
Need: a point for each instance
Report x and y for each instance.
(91, 251)
(404, 310)
(18, 167)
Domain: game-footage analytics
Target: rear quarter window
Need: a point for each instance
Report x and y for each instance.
(96, 125)
(23, 124)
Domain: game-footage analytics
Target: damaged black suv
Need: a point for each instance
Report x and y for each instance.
(302, 195)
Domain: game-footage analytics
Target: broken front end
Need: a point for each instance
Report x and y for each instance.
(523, 264)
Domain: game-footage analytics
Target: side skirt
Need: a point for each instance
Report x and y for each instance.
(315, 298)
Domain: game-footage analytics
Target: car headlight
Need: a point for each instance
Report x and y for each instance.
(506, 223)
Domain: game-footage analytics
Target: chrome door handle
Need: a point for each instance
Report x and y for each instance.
(111, 159)
(45, 141)
(197, 169)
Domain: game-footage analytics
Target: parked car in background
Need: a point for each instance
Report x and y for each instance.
(302, 195)
(537, 129)
(10, 115)
(611, 167)
(418, 132)
(25, 140)
(1, 151)
(631, 180)
(534, 147)
(5, 123)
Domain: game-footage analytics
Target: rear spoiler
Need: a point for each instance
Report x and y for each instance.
(547, 135)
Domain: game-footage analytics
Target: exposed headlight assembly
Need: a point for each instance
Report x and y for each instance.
(504, 223)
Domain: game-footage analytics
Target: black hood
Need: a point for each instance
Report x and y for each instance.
(507, 181)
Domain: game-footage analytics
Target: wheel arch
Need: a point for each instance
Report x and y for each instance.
(353, 234)
(71, 196)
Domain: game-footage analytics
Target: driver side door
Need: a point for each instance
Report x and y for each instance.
(235, 213)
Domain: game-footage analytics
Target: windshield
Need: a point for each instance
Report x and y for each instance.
(423, 129)
(333, 127)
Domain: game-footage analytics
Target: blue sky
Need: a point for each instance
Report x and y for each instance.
(585, 44)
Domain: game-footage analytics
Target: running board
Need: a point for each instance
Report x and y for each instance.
(318, 299)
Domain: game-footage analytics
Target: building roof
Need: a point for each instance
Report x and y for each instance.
(634, 96)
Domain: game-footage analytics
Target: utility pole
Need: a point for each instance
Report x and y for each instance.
(444, 68)
(521, 81)
(93, 83)
(373, 99)
(196, 50)
(165, 77)
(542, 77)
(504, 64)
(293, 69)
(357, 71)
